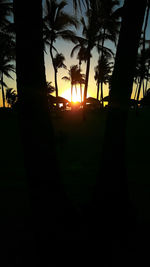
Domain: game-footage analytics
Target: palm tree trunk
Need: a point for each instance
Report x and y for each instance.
(146, 85)
(136, 90)
(71, 91)
(102, 55)
(113, 183)
(98, 90)
(76, 88)
(55, 72)
(3, 93)
(139, 89)
(102, 94)
(81, 91)
(56, 85)
(45, 190)
(143, 51)
(143, 88)
(87, 76)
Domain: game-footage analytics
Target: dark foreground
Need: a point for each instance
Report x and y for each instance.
(80, 240)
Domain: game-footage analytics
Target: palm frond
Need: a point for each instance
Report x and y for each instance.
(61, 6)
(66, 78)
(64, 20)
(7, 75)
(2, 83)
(85, 29)
(107, 51)
(67, 35)
(77, 4)
(59, 61)
(77, 47)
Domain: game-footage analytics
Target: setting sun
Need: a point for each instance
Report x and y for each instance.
(76, 97)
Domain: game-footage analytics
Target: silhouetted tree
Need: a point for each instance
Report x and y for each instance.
(113, 183)
(56, 23)
(7, 56)
(58, 62)
(109, 24)
(90, 31)
(50, 88)
(11, 97)
(75, 77)
(5, 68)
(37, 136)
(81, 81)
(92, 37)
(142, 72)
(102, 74)
(7, 44)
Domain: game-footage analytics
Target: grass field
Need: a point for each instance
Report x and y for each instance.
(78, 147)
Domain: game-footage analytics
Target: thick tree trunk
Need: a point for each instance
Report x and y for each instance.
(46, 197)
(112, 192)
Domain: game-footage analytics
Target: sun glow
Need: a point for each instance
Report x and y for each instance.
(76, 95)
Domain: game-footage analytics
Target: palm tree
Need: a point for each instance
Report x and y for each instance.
(56, 23)
(147, 74)
(109, 25)
(142, 72)
(45, 191)
(113, 183)
(58, 62)
(90, 32)
(5, 68)
(11, 96)
(7, 44)
(50, 88)
(81, 81)
(75, 77)
(72, 77)
(102, 74)
(143, 54)
(77, 3)
(93, 36)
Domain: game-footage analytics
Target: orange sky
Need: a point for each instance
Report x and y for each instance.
(63, 86)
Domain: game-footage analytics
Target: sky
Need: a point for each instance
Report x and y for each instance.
(65, 48)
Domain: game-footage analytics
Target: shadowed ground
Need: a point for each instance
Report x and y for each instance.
(78, 146)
